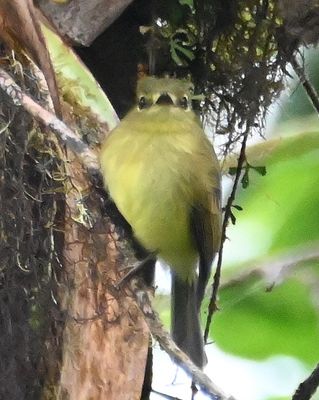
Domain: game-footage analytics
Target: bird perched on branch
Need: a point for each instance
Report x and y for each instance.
(162, 173)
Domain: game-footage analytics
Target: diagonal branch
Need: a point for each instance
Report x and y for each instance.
(277, 268)
(308, 387)
(309, 88)
(166, 342)
(50, 120)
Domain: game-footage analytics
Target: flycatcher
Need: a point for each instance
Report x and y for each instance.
(163, 174)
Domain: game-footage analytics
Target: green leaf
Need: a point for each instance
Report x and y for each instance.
(261, 170)
(280, 209)
(70, 71)
(176, 48)
(176, 58)
(256, 324)
(187, 53)
(232, 218)
(189, 3)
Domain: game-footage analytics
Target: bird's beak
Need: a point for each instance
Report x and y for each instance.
(164, 99)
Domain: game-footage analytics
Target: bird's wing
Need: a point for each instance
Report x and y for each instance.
(206, 230)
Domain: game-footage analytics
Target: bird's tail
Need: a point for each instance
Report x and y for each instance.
(185, 326)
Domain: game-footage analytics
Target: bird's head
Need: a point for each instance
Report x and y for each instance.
(164, 91)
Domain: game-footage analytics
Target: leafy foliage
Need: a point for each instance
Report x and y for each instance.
(231, 50)
(255, 323)
(281, 210)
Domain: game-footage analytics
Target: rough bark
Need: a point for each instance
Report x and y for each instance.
(81, 20)
(105, 338)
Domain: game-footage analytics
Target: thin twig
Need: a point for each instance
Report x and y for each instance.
(308, 387)
(275, 269)
(212, 307)
(66, 135)
(166, 342)
(309, 88)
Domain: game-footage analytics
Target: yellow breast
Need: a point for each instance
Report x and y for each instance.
(156, 167)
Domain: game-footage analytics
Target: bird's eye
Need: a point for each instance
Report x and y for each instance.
(184, 102)
(142, 103)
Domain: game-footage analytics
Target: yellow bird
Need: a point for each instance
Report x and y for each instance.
(162, 173)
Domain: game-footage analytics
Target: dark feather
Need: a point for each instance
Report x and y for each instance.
(185, 325)
(206, 228)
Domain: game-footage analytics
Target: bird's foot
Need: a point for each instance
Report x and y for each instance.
(136, 267)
